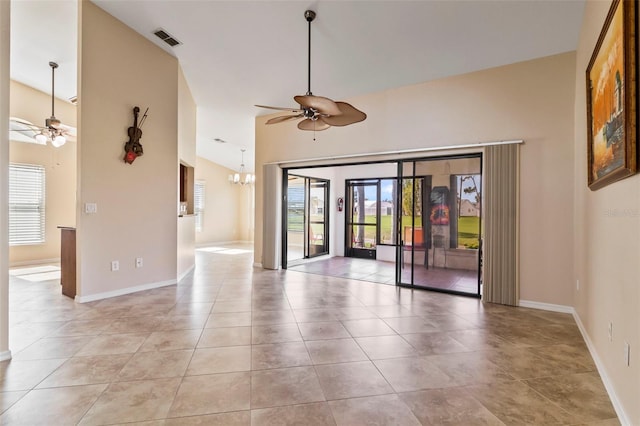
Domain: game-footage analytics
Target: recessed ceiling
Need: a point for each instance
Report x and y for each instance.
(239, 53)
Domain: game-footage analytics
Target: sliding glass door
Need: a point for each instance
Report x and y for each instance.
(362, 218)
(439, 224)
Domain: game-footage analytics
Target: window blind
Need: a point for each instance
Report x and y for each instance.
(198, 198)
(26, 204)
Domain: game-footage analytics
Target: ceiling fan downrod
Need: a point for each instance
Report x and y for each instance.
(52, 121)
(309, 15)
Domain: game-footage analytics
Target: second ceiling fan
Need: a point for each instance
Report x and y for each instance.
(317, 112)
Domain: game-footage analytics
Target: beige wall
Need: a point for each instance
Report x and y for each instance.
(187, 155)
(530, 100)
(120, 69)
(607, 241)
(227, 216)
(60, 170)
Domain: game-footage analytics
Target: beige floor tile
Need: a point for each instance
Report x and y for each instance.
(191, 309)
(373, 410)
(135, 324)
(277, 333)
(434, 343)
(220, 360)
(263, 317)
(368, 327)
(279, 355)
(133, 401)
(226, 336)
(83, 327)
(518, 403)
(314, 315)
(571, 391)
(236, 305)
(333, 351)
(479, 339)
(18, 375)
(144, 309)
(448, 407)
(60, 406)
(410, 325)
(469, 368)
(314, 414)
(285, 386)
(156, 365)
(171, 340)
(183, 322)
(237, 418)
(232, 319)
(53, 347)
(383, 347)
(7, 399)
(111, 344)
(575, 355)
(323, 330)
(211, 394)
(411, 374)
(392, 311)
(448, 322)
(352, 379)
(524, 363)
(86, 370)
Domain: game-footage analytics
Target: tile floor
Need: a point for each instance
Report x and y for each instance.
(235, 345)
(379, 271)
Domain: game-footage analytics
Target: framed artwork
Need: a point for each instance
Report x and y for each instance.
(611, 99)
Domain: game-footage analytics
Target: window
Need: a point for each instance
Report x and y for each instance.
(26, 204)
(198, 190)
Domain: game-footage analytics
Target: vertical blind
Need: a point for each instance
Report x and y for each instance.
(26, 204)
(198, 198)
(501, 254)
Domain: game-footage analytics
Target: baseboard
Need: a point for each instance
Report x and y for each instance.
(257, 264)
(5, 355)
(222, 243)
(123, 291)
(545, 306)
(622, 416)
(187, 272)
(34, 262)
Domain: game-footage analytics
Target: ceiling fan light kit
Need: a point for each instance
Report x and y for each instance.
(317, 112)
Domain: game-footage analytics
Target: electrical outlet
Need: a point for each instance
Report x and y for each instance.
(115, 265)
(90, 208)
(610, 331)
(138, 262)
(627, 354)
(578, 285)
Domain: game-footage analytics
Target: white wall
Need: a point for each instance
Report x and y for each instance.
(137, 203)
(607, 242)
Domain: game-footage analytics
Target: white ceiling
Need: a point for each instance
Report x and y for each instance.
(239, 53)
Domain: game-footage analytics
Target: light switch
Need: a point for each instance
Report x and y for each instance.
(90, 208)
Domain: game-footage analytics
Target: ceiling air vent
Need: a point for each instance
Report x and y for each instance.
(166, 37)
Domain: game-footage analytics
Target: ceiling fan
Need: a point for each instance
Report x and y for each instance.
(317, 112)
(53, 131)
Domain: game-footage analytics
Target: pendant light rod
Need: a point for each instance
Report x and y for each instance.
(53, 66)
(309, 15)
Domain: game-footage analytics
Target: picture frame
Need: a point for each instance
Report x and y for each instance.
(612, 99)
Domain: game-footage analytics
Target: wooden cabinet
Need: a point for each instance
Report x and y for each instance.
(68, 261)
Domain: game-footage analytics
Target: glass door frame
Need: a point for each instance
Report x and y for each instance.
(399, 236)
(306, 217)
(359, 252)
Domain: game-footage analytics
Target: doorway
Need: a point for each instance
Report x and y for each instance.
(307, 217)
(439, 224)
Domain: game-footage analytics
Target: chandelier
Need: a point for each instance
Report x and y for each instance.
(242, 178)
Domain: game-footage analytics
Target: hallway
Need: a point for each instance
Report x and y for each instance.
(237, 345)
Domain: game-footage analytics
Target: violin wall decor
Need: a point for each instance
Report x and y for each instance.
(133, 148)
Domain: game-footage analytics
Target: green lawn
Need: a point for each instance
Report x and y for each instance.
(469, 231)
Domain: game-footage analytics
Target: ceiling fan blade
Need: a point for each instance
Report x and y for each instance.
(321, 104)
(350, 115)
(68, 130)
(316, 125)
(279, 108)
(283, 118)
